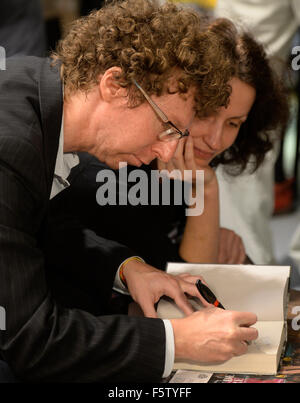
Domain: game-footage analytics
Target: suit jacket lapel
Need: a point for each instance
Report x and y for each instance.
(51, 106)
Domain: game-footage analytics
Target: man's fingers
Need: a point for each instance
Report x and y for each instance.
(189, 287)
(245, 318)
(184, 305)
(175, 288)
(248, 333)
(148, 309)
(177, 294)
(191, 279)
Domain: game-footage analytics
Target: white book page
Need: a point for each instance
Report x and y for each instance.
(251, 288)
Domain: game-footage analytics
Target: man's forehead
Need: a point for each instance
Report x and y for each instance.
(183, 111)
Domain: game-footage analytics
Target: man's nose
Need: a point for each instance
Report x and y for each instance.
(165, 150)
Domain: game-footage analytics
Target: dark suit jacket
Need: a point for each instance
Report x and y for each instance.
(44, 340)
(125, 224)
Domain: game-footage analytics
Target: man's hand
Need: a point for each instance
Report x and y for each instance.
(231, 248)
(147, 285)
(213, 335)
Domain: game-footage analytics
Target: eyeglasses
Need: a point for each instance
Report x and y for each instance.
(173, 133)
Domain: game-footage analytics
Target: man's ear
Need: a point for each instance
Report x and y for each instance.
(109, 87)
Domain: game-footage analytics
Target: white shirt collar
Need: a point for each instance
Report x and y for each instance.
(64, 163)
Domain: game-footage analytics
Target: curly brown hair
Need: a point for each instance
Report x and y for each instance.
(149, 43)
(152, 43)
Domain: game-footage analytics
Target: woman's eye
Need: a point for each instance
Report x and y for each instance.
(235, 125)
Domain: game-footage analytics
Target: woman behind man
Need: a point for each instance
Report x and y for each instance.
(232, 135)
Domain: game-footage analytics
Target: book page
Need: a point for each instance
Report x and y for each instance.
(251, 288)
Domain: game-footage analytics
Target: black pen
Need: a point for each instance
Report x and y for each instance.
(208, 295)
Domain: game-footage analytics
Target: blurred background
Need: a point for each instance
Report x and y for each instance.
(59, 13)
(33, 27)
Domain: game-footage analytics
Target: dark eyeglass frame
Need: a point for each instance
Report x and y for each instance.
(178, 134)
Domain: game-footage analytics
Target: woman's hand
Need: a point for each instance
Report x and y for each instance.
(200, 240)
(231, 248)
(184, 159)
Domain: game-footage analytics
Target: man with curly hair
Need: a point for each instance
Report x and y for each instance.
(126, 84)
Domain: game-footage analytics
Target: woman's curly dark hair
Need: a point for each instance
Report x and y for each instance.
(152, 43)
(269, 115)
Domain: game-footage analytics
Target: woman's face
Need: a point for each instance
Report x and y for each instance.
(214, 134)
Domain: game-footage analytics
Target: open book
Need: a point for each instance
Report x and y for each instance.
(259, 289)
